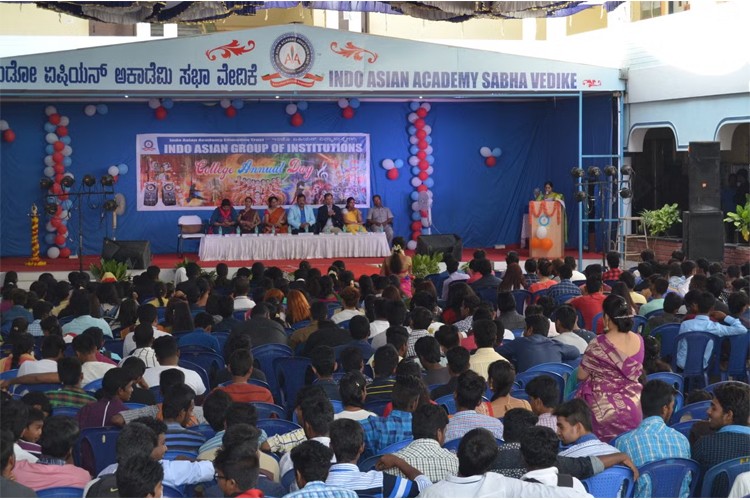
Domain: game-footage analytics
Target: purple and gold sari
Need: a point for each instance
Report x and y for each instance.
(612, 390)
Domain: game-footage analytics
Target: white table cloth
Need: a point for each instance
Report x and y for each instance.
(289, 246)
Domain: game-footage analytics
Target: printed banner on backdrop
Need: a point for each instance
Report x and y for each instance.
(197, 171)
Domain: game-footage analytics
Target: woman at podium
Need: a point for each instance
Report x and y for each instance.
(549, 194)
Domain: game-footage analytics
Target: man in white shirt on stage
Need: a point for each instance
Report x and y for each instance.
(380, 218)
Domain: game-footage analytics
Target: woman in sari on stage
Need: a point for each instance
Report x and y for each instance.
(352, 218)
(275, 218)
(609, 373)
(550, 195)
(248, 219)
(223, 219)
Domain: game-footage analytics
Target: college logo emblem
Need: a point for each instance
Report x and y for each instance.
(148, 145)
(292, 57)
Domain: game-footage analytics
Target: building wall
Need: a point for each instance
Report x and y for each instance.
(28, 20)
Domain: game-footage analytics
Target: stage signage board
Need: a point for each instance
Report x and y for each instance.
(197, 171)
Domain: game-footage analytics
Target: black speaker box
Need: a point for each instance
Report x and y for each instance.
(704, 177)
(136, 254)
(703, 235)
(444, 243)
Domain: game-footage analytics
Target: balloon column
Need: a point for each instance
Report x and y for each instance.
(35, 260)
(8, 134)
(421, 163)
(348, 106)
(160, 107)
(392, 167)
(293, 110)
(490, 155)
(58, 158)
(231, 107)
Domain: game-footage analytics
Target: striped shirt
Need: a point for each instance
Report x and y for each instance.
(380, 389)
(319, 489)
(565, 287)
(548, 420)
(216, 441)
(464, 421)
(74, 397)
(374, 483)
(587, 445)
(428, 457)
(181, 439)
(146, 354)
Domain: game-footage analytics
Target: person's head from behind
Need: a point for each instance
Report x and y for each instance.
(323, 361)
(705, 303)
(395, 312)
(737, 304)
(429, 422)
(536, 324)
(117, 383)
(385, 361)
(539, 447)
(730, 406)
(406, 392)
(359, 328)
(530, 266)
(476, 452)
(135, 440)
(352, 389)
(69, 371)
(178, 404)
(501, 376)
(170, 378)
(573, 420)
(516, 422)
(421, 318)
(613, 260)
(143, 335)
(594, 284)
(85, 347)
(672, 303)
(469, 390)
(166, 350)
(241, 363)
(448, 337)
(139, 478)
(53, 347)
(350, 297)
(236, 469)
(347, 440)
(657, 399)
(544, 394)
(485, 333)
(215, 408)
(458, 360)
(311, 461)
(565, 318)
(506, 303)
(7, 456)
(428, 351)
(58, 436)
(314, 411)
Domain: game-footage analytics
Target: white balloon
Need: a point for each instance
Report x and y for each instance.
(64, 214)
(51, 138)
(416, 181)
(388, 164)
(50, 228)
(485, 151)
(541, 232)
(49, 161)
(430, 170)
(426, 106)
(153, 103)
(64, 121)
(415, 207)
(411, 245)
(50, 110)
(53, 252)
(113, 171)
(425, 222)
(4, 125)
(49, 171)
(225, 103)
(67, 151)
(412, 117)
(428, 150)
(413, 161)
(291, 108)
(343, 103)
(413, 139)
(427, 129)
(90, 110)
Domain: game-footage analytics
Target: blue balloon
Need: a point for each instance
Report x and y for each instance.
(429, 182)
(497, 152)
(353, 102)
(414, 105)
(302, 106)
(167, 103)
(415, 170)
(428, 139)
(413, 150)
(414, 196)
(50, 127)
(67, 204)
(49, 238)
(122, 168)
(65, 140)
(64, 222)
(49, 149)
(238, 103)
(430, 159)
(102, 109)
(67, 161)
(412, 130)
(415, 216)
(399, 163)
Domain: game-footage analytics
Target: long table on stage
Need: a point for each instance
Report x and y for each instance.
(289, 246)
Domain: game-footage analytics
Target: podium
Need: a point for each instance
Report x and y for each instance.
(546, 221)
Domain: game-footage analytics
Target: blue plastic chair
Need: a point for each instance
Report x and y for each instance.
(135, 406)
(684, 427)
(19, 390)
(667, 476)
(222, 338)
(615, 482)
(452, 445)
(205, 429)
(594, 327)
(667, 334)
(712, 387)
(175, 454)
(447, 402)
(264, 355)
(524, 378)
(731, 469)
(539, 293)
(655, 312)
(7, 375)
(739, 350)
(520, 394)
(562, 299)
(62, 492)
(696, 411)
(673, 379)
(210, 361)
(240, 315)
(393, 448)
(488, 294)
(268, 410)
(66, 411)
(369, 463)
(522, 297)
(96, 448)
(437, 280)
(697, 343)
(288, 479)
(156, 391)
(274, 426)
(517, 332)
(290, 375)
(562, 369)
(183, 363)
(93, 386)
(114, 346)
(377, 406)
(638, 323)
(161, 313)
(333, 307)
(300, 324)
(344, 324)
(171, 492)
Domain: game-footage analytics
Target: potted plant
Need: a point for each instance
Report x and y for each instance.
(119, 269)
(424, 265)
(661, 220)
(741, 219)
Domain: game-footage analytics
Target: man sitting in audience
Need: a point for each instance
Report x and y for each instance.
(383, 431)
(613, 263)
(177, 409)
(117, 387)
(53, 350)
(349, 301)
(507, 312)
(509, 461)
(54, 468)
(590, 304)
(261, 328)
(653, 440)
(574, 430)
(565, 286)
(237, 472)
(468, 308)
(168, 355)
(147, 315)
(534, 348)
(9, 487)
(488, 279)
(658, 288)
(311, 468)
(318, 313)
(565, 322)
(672, 304)
(347, 443)
(201, 336)
(323, 365)
(144, 339)
(384, 365)
(468, 395)
(453, 275)
(629, 280)
(225, 311)
(458, 363)
(327, 334)
(71, 395)
(359, 329)
(421, 318)
(395, 313)
(539, 447)
(428, 353)
(140, 479)
(485, 336)
(241, 300)
(241, 367)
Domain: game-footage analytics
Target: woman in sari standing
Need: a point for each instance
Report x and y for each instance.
(609, 373)
(275, 218)
(352, 218)
(248, 219)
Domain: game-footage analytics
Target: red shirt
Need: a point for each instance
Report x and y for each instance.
(468, 343)
(612, 274)
(253, 493)
(247, 393)
(590, 306)
(542, 285)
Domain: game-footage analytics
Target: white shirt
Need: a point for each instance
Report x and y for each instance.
(548, 476)
(346, 315)
(41, 366)
(458, 275)
(22, 454)
(578, 276)
(493, 485)
(128, 344)
(192, 379)
(571, 338)
(243, 303)
(741, 486)
(354, 415)
(94, 370)
(285, 464)
(176, 472)
(145, 354)
(378, 326)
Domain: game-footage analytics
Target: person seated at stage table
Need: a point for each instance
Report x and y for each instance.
(301, 217)
(380, 218)
(223, 219)
(352, 217)
(329, 216)
(248, 218)
(275, 218)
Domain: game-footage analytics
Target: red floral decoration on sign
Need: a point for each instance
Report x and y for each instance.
(351, 50)
(230, 49)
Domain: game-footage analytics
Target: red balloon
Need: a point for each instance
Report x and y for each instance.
(59, 146)
(421, 155)
(423, 175)
(546, 244)
(422, 188)
(56, 189)
(297, 120)
(423, 213)
(54, 119)
(231, 112)
(58, 178)
(57, 157)
(62, 131)
(348, 112)
(490, 161)
(416, 225)
(422, 144)
(421, 112)
(392, 174)
(9, 136)
(419, 123)
(59, 168)
(59, 210)
(64, 252)
(421, 134)
(59, 239)
(424, 165)
(415, 235)
(160, 113)
(64, 197)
